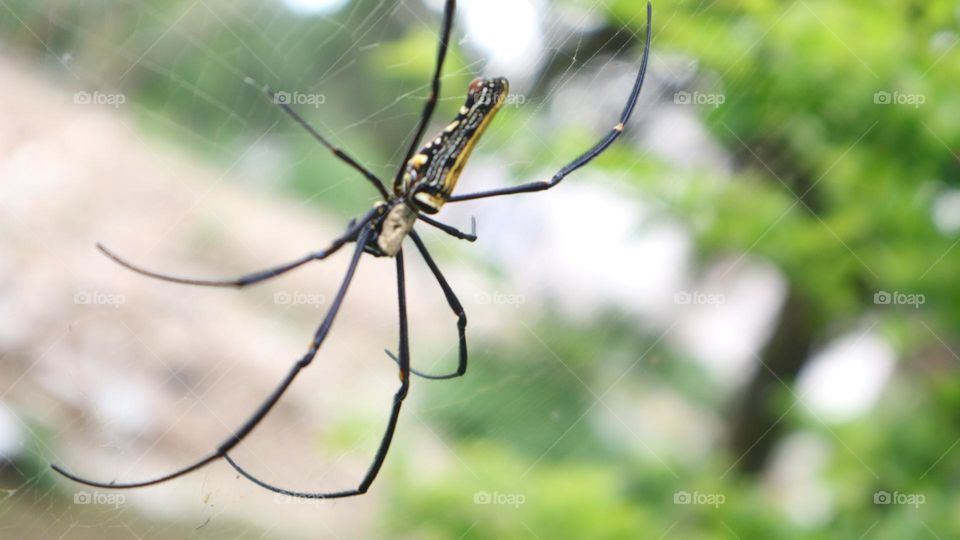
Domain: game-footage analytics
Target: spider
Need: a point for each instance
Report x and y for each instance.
(423, 184)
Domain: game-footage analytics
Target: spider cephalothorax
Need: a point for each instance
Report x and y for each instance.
(422, 185)
(392, 229)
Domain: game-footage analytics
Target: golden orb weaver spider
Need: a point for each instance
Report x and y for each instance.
(422, 186)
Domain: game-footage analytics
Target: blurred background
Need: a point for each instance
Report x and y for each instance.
(740, 322)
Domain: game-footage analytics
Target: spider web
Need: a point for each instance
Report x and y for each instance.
(360, 75)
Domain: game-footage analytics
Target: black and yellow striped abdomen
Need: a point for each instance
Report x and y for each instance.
(432, 173)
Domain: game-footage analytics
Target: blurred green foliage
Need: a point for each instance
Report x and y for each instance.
(802, 82)
(835, 184)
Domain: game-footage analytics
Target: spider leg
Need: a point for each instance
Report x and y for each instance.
(255, 277)
(340, 154)
(457, 310)
(448, 10)
(452, 231)
(398, 398)
(587, 157)
(267, 405)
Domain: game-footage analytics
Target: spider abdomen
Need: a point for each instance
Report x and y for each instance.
(431, 175)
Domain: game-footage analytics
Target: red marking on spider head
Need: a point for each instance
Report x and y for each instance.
(476, 85)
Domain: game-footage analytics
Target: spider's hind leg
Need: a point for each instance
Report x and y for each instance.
(590, 154)
(353, 230)
(282, 103)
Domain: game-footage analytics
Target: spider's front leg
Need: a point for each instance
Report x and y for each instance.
(388, 434)
(452, 231)
(457, 308)
(254, 420)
